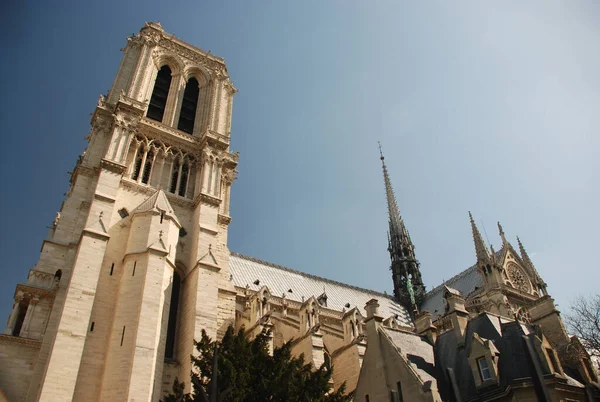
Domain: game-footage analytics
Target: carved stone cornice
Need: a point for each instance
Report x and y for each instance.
(34, 343)
(216, 140)
(169, 135)
(27, 291)
(194, 54)
(112, 166)
(207, 199)
(224, 219)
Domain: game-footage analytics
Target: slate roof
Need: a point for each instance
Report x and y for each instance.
(416, 350)
(246, 270)
(465, 282)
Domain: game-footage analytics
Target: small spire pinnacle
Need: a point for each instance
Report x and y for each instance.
(501, 231)
(528, 263)
(481, 251)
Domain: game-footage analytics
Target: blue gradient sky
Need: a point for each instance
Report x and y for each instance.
(493, 108)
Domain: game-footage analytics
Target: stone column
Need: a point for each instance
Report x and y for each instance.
(13, 316)
(27, 321)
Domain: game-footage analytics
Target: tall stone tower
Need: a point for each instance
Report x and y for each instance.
(136, 263)
(408, 285)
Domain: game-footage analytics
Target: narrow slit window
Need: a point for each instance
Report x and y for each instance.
(148, 167)
(183, 180)
(158, 101)
(399, 387)
(172, 323)
(112, 268)
(133, 271)
(122, 335)
(174, 177)
(92, 327)
(187, 115)
(137, 167)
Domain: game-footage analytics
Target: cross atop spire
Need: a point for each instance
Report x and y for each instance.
(408, 285)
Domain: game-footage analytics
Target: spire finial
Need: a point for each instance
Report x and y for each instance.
(380, 151)
(481, 251)
(501, 231)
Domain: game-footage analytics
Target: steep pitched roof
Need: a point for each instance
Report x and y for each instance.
(157, 202)
(416, 351)
(246, 270)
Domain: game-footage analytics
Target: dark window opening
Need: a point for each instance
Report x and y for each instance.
(162, 216)
(20, 318)
(183, 181)
(174, 177)
(133, 272)
(399, 386)
(187, 116)
(182, 232)
(367, 398)
(58, 274)
(172, 323)
(138, 165)
(147, 167)
(112, 267)
(92, 327)
(123, 213)
(158, 101)
(122, 335)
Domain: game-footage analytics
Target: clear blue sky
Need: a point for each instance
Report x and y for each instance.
(488, 107)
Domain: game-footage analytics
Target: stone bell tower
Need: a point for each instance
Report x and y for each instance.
(136, 263)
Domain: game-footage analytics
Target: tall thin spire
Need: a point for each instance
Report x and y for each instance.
(481, 250)
(408, 285)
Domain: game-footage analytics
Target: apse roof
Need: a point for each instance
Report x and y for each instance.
(246, 271)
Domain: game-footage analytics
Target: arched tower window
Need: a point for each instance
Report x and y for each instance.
(172, 324)
(187, 116)
(158, 101)
(148, 167)
(137, 167)
(185, 170)
(174, 176)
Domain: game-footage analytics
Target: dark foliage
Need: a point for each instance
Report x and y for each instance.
(248, 373)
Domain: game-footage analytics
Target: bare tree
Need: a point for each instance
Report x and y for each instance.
(583, 321)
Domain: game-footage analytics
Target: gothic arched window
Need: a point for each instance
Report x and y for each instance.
(185, 170)
(172, 323)
(137, 167)
(174, 176)
(148, 167)
(187, 115)
(158, 101)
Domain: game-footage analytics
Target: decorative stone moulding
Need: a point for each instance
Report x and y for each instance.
(41, 279)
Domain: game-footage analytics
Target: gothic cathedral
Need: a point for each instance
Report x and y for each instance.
(136, 266)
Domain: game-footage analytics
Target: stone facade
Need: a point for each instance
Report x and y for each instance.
(136, 265)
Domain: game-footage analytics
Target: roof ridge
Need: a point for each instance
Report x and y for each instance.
(284, 268)
(459, 275)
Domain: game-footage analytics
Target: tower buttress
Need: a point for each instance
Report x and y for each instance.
(408, 285)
